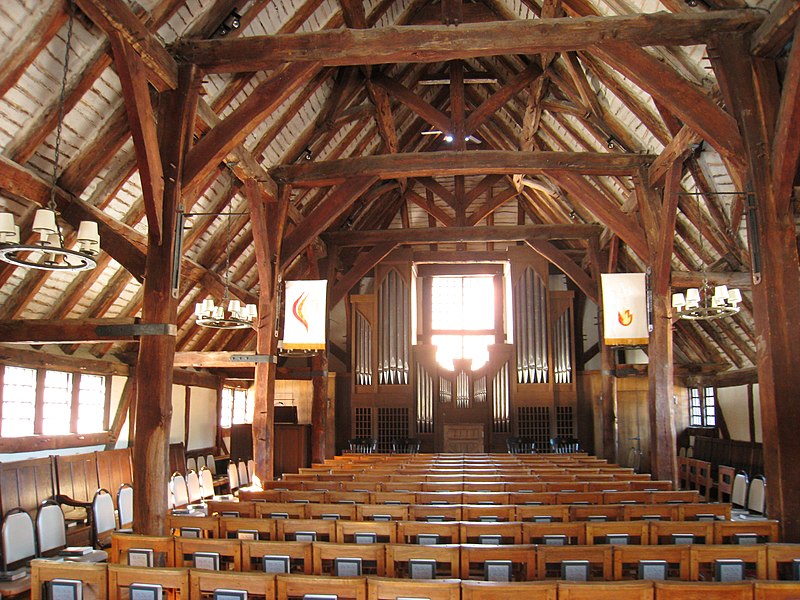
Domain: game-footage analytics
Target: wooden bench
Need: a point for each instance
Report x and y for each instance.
(639, 512)
(231, 508)
(329, 511)
(290, 587)
(674, 590)
(483, 512)
(185, 525)
(425, 512)
(408, 531)
(549, 559)
(357, 531)
(93, 577)
(287, 510)
(491, 590)
(727, 532)
(626, 532)
(384, 588)
(779, 560)
(247, 528)
(671, 532)
(289, 529)
(775, 590)
(606, 590)
(372, 556)
(627, 558)
(299, 553)
(228, 552)
(522, 557)
(447, 557)
(554, 533)
(475, 533)
(163, 548)
(175, 582)
(703, 557)
(202, 584)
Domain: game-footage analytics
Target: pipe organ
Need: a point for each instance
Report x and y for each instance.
(526, 388)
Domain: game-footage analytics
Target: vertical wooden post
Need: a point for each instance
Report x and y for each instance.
(776, 289)
(157, 352)
(607, 446)
(319, 406)
(660, 368)
(268, 219)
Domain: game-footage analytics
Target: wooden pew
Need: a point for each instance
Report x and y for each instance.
(674, 590)
(291, 587)
(637, 532)
(384, 588)
(490, 590)
(114, 468)
(175, 582)
(185, 525)
(775, 590)
(670, 532)
(290, 529)
(291, 510)
(703, 557)
(553, 512)
(509, 532)
(350, 532)
(447, 557)
(163, 548)
(373, 557)
(247, 529)
(626, 560)
(522, 557)
(726, 532)
(639, 512)
(93, 576)
(299, 553)
(327, 511)
(779, 560)
(424, 512)
(606, 590)
(549, 558)
(232, 508)
(408, 531)
(482, 512)
(537, 533)
(259, 586)
(368, 512)
(229, 552)
(609, 512)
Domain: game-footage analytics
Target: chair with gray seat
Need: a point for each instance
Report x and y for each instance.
(51, 528)
(18, 539)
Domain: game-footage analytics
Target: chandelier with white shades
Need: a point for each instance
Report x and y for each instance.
(228, 313)
(48, 253)
(707, 302)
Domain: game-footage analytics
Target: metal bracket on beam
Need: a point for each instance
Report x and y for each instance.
(254, 358)
(136, 329)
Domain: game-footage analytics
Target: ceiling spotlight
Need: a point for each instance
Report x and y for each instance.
(611, 142)
(448, 138)
(231, 22)
(307, 153)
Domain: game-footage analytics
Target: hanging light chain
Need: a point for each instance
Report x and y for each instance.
(61, 102)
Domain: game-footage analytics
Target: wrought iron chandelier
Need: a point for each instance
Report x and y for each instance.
(707, 302)
(48, 253)
(229, 313)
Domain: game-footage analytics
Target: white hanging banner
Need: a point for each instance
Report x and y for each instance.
(624, 309)
(304, 318)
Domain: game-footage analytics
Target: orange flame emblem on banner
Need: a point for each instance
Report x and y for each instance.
(625, 317)
(297, 309)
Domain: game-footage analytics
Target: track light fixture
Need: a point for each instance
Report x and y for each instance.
(231, 22)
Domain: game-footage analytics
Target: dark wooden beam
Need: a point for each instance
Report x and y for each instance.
(449, 163)
(786, 142)
(441, 235)
(362, 265)
(685, 279)
(424, 109)
(67, 331)
(584, 282)
(323, 215)
(116, 17)
(437, 43)
(771, 37)
(142, 123)
(34, 359)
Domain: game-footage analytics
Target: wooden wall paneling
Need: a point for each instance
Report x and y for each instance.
(26, 484)
(76, 476)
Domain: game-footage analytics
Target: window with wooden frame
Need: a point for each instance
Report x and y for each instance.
(237, 407)
(463, 311)
(702, 407)
(52, 402)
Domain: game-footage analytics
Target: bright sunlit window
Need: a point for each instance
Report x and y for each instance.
(459, 306)
(19, 401)
(91, 403)
(56, 416)
(237, 407)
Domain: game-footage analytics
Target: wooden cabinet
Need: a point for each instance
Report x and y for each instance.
(292, 448)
